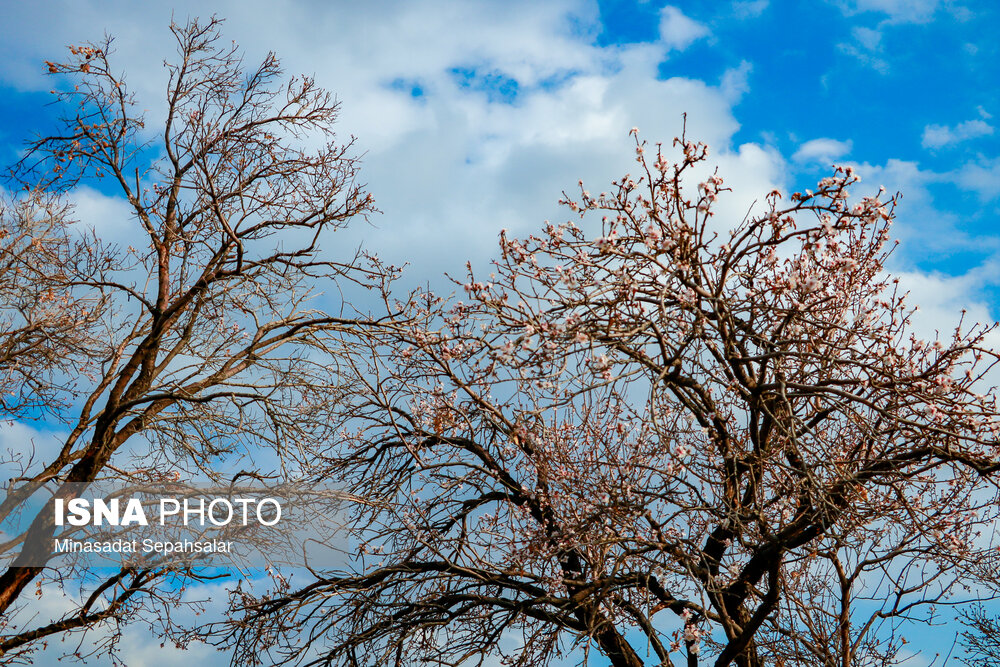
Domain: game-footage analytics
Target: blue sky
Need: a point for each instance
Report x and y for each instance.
(474, 116)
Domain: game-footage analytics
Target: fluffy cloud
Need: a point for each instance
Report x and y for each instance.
(982, 177)
(477, 129)
(896, 11)
(749, 8)
(925, 229)
(943, 300)
(867, 48)
(937, 136)
(678, 31)
(822, 150)
(108, 216)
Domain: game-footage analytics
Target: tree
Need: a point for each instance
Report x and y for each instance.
(981, 638)
(675, 441)
(45, 323)
(203, 343)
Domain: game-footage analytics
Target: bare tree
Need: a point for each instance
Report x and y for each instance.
(677, 441)
(205, 341)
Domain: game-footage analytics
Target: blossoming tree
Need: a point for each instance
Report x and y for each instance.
(677, 440)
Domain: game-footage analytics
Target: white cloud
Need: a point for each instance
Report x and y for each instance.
(25, 448)
(868, 38)
(109, 217)
(941, 300)
(897, 11)
(750, 172)
(867, 48)
(983, 178)
(823, 150)
(927, 228)
(448, 168)
(746, 9)
(736, 81)
(924, 229)
(678, 31)
(937, 136)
